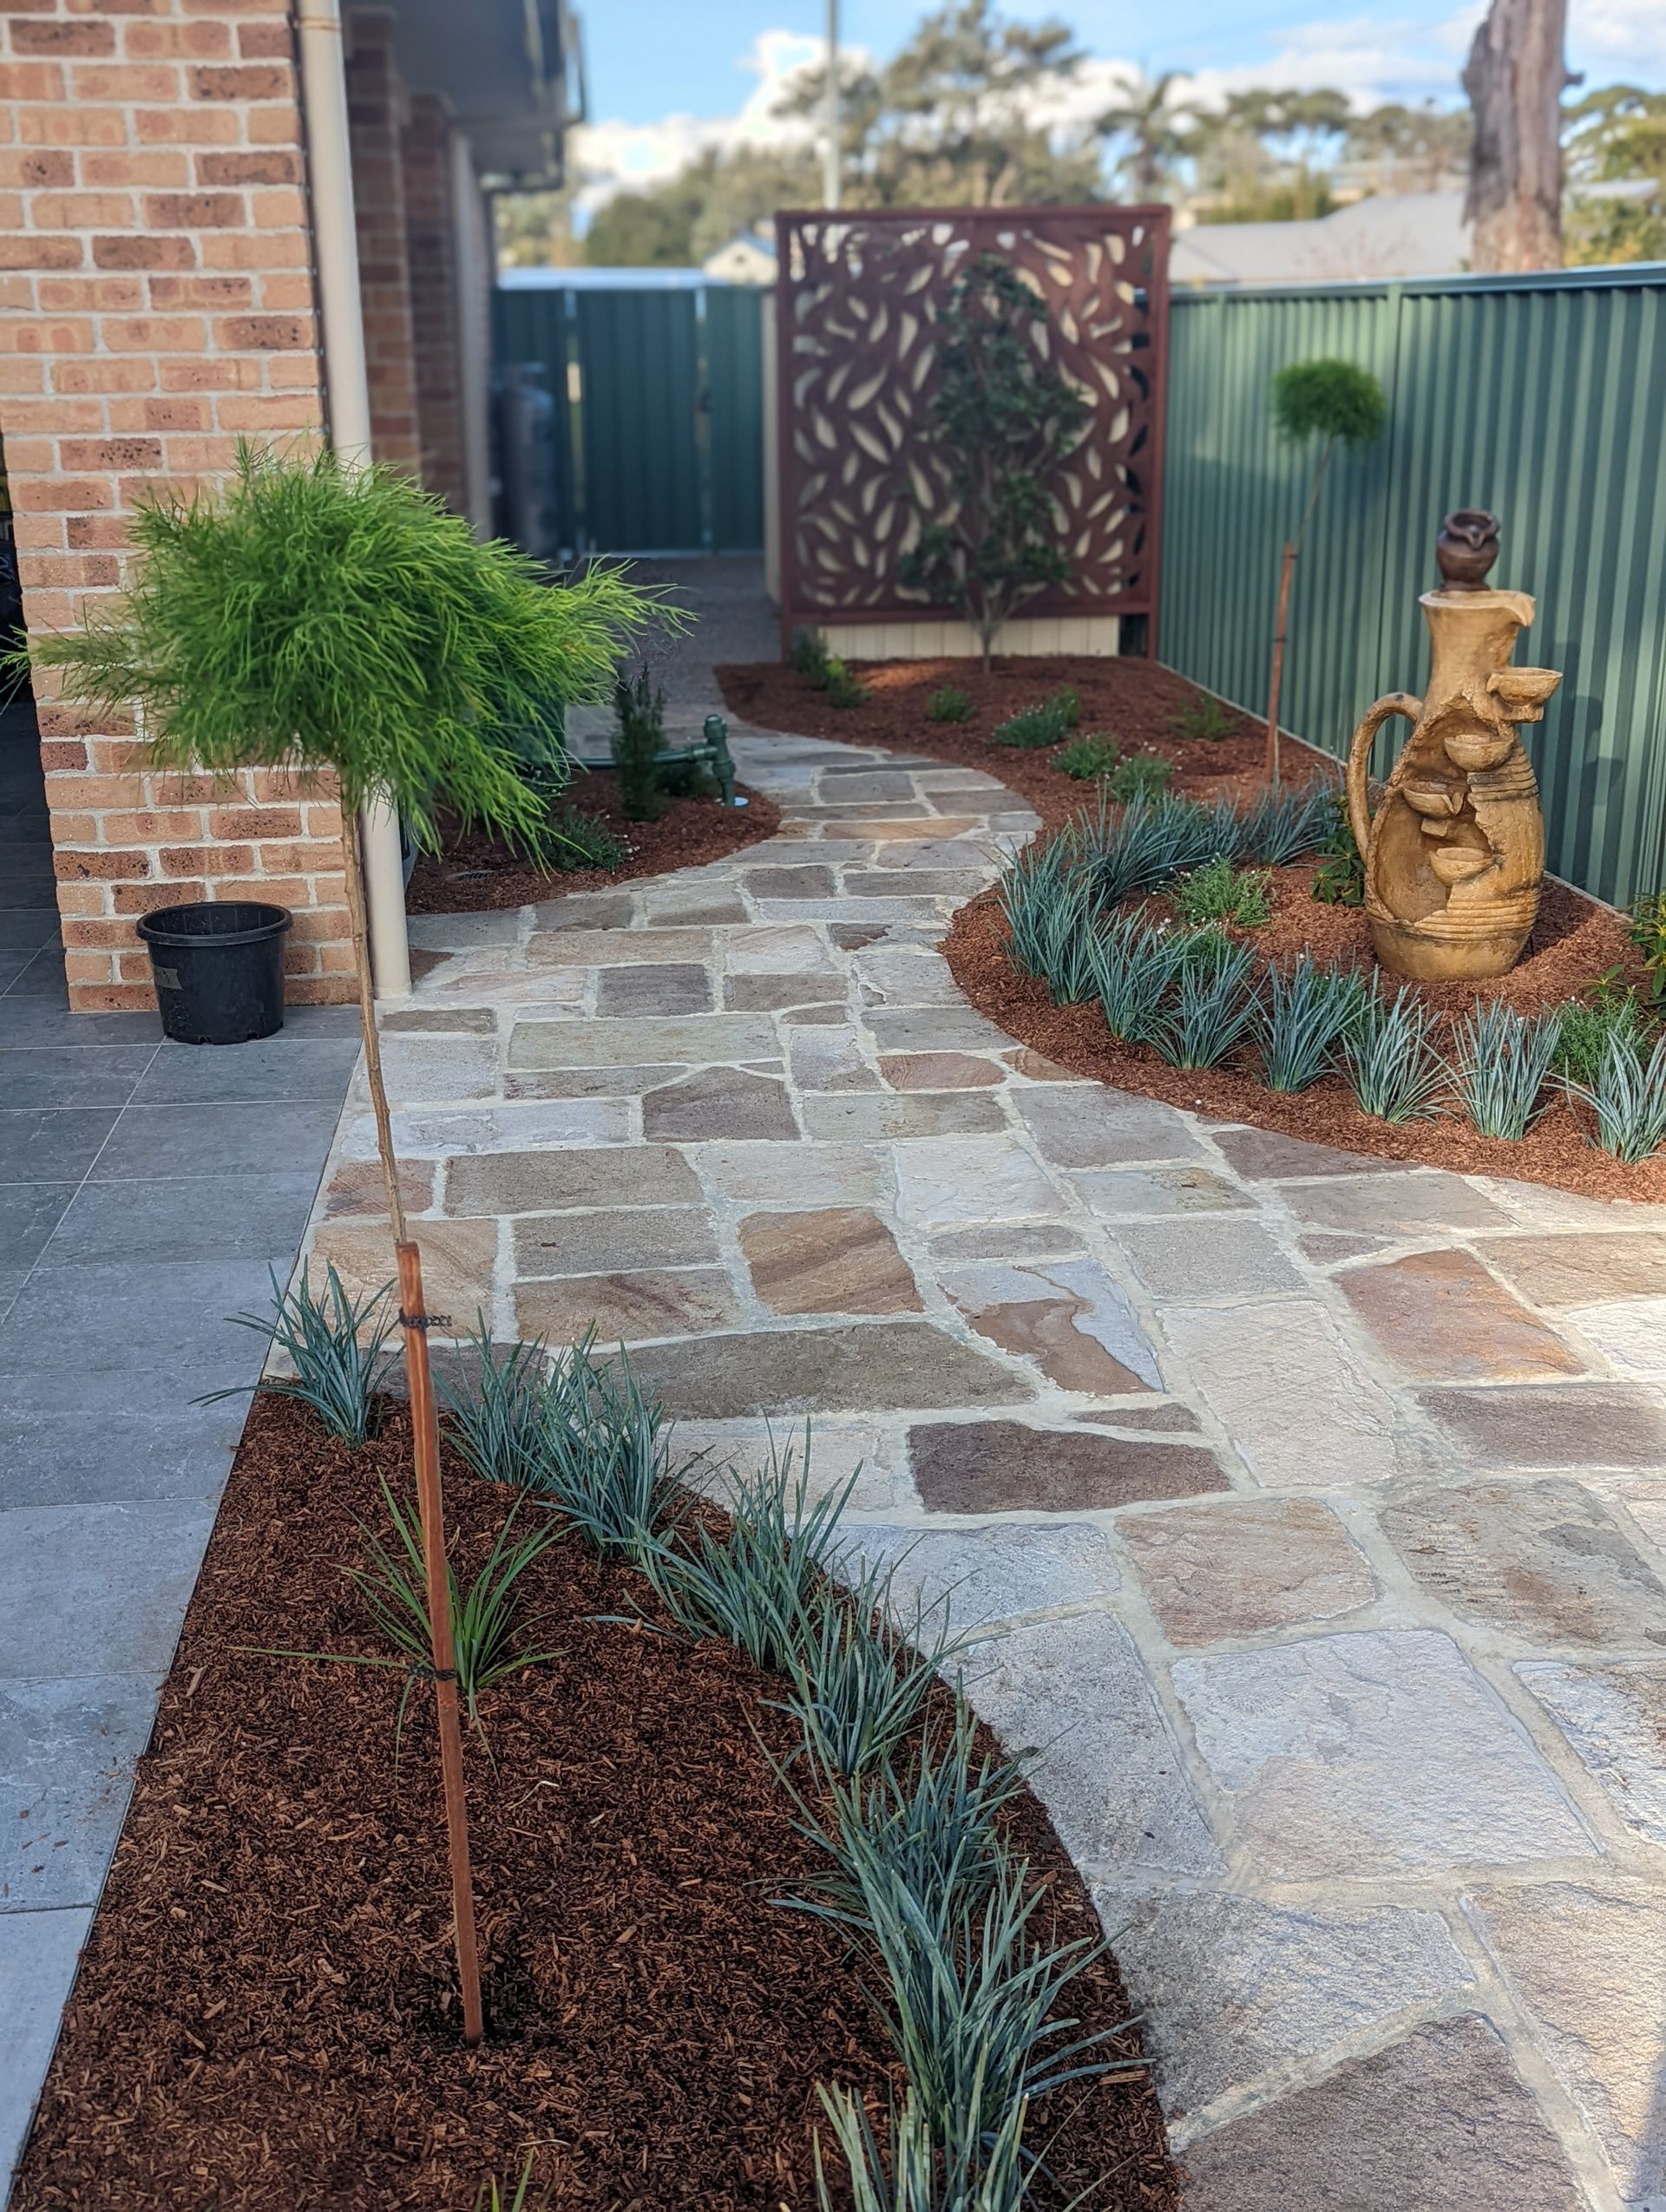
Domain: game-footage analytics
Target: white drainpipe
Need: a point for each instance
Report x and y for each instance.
(335, 248)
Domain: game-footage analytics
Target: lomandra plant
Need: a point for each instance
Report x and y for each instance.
(1628, 1098)
(1500, 1065)
(339, 626)
(1212, 1004)
(1304, 1022)
(858, 1692)
(337, 1346)
(1393, 1062)
(1134, 963)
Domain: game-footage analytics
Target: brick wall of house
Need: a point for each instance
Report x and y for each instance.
(431, 257)
(376, 115)
(155, 302)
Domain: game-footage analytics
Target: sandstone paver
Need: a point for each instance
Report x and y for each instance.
(1008, 1467)
(1244, 1565)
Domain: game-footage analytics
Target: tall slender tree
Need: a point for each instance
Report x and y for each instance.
(345, 628)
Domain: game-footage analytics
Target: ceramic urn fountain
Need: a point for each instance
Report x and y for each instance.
(1454, 856)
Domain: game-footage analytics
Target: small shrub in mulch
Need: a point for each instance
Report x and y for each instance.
(265, 2018)
(472, 873)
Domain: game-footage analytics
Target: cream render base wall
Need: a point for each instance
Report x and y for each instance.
(1041, 636)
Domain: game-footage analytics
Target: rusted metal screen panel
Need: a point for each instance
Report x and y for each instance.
(1538, 397)
(860, 472)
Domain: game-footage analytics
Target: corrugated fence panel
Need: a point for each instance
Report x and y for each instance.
(734, 398)
(535, 326)
(1540, 398)
(639, 359)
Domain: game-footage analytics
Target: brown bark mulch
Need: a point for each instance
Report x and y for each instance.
(265, 2018)
(474, 873)
(1554, 1150)
(1131, 700)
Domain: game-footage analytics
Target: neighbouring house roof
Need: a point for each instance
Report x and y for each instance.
(1408, 234)
(748, 258)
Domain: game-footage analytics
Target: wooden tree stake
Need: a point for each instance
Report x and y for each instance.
(425, 1430)
(1279, 628)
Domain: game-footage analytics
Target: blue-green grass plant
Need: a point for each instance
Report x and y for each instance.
(498, 1409)
(1135, 962)
(1286, 824)
(1393, 1058)
(1049, 905)
(609, 1469)
(1146, 844)
(858, 1691)
(758, 1582)
(1501, 1063)
(337, 1346)
(1304, 1020)
(1211, 1005)
(1628, 1097)
(910, 2169)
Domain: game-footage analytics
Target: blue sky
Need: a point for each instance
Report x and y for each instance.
(653, 58)
(669, 77)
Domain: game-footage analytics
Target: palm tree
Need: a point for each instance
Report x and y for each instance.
(1158, 129)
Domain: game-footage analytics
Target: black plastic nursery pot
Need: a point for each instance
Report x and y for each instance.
(219, 969)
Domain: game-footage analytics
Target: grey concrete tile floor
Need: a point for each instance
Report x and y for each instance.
(147, 1192)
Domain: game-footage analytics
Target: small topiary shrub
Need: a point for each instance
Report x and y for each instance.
(842, 687)
(1205, 718)
(1588, 1023)
(576, 840)
(1049, 722)
(1089, 759)
(1142, 775)
(1648, 934)
(1219, 893)
(637, 743)
(808, 655)
(949, 703)
(1340, 878)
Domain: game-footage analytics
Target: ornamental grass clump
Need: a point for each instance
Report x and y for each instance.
(608, 1468)
(1304, 1022)
(1393, 1063)
(335, 1344)
(1282, 825)
(1500, 1066)
(328, 622)
(1148, 843)
(1628, 1098)
(1134, 963)
(1049, 907)
(858, 1691)
(1212, 1005)
(910, 2169)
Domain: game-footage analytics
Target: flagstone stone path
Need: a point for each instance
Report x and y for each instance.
(1314, 1508)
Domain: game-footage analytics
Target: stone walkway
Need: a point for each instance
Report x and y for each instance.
(1315, 1507)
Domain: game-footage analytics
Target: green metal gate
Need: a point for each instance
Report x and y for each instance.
(659, 403)
(1538, 397)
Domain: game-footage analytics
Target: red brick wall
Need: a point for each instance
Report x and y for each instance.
(375, 114)
(430, 236)
(155, 301)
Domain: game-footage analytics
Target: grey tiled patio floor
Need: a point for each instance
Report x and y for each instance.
(146, 1189)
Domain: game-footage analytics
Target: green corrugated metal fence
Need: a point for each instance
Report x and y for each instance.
(1542, 398)
(660, 411)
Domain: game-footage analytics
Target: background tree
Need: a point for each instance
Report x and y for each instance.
(1515, 78)
(342, 626)
(1616, 138)
(1410, 149)
(1007, 418)
(1335, 404)
(534, 230)
(1155, 125)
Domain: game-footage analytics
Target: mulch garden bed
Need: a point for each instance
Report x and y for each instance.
(1133, 701)
(265, 2016)
(1575, 941)
(474, 872)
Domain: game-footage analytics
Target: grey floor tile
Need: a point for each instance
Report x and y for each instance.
(45, 1144)
(320, 1021)
(181, 1219)
(113, 1457)
(97, 1589)
(71, 1075)
(11, 1282)
(68, 1748)
(27, 928)
(43, 979)
(103, 1323)
(39, 1952)
(31, 1021)
(281, 1067)
(13, 961)
(271, 1138)
(29, 1214)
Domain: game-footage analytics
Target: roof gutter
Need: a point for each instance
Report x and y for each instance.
(347, 392)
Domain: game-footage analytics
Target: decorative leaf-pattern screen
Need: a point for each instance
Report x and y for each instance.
(860, 472)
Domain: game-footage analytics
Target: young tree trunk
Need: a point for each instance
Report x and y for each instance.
(1515, 77)
(424, 1421)
(1280, 627)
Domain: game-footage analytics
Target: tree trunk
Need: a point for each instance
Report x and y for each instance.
(426, 1430)
(1515, 78)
